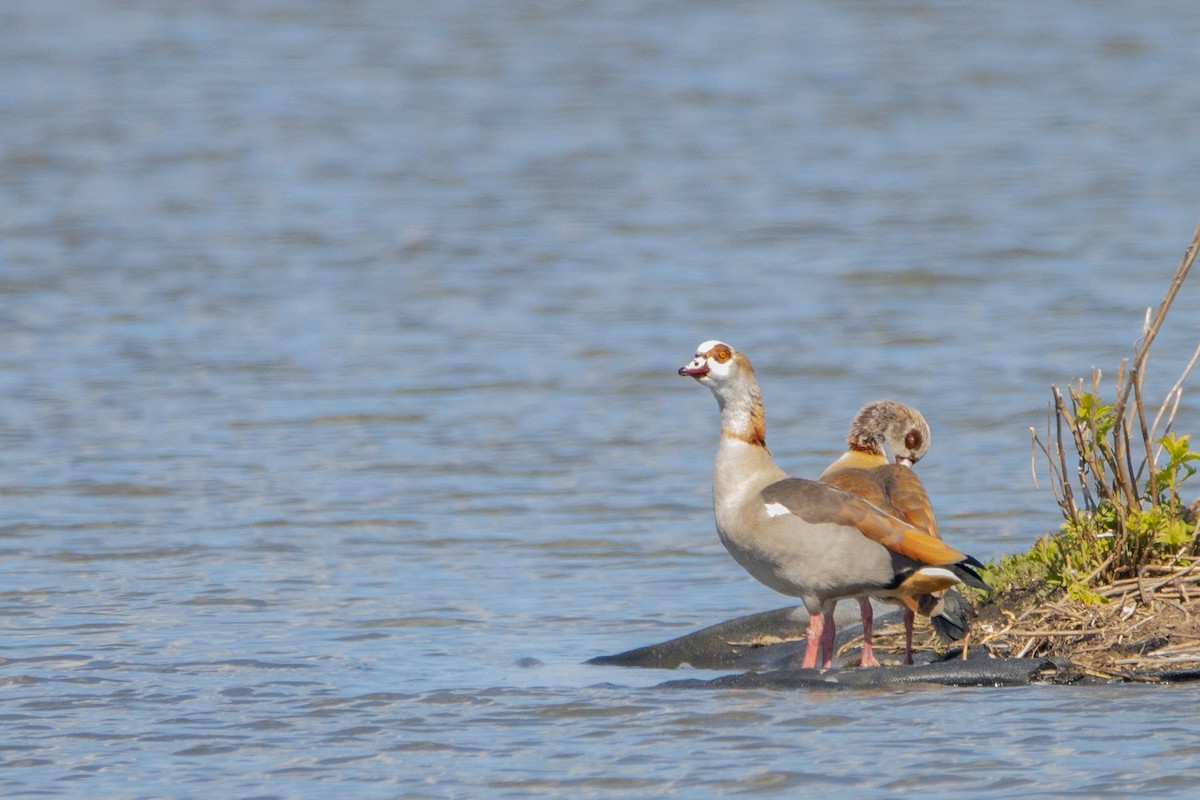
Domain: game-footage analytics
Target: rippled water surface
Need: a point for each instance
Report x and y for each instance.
(340, 420)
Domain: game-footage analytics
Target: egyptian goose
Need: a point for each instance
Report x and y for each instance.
(864, 470)
(804, 538)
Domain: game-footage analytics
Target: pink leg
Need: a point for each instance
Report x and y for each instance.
(827, 637)
(816, 625)
(868, 617)
(909, 617)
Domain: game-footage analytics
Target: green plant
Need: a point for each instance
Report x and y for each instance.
(1119, 493)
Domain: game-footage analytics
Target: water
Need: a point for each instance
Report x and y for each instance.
(340, 416)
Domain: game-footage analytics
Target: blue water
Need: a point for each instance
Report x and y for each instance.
(340, 420)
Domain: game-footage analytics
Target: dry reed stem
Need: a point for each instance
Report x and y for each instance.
(1105, 472)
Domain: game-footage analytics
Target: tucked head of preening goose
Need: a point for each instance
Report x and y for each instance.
(886, 422)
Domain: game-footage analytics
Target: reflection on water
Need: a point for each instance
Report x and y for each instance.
(340, 415)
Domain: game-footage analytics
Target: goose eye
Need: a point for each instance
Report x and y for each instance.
(913, 440)
(722, 354)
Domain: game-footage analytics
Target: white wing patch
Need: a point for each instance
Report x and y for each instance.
(777, 509)
(939, 572)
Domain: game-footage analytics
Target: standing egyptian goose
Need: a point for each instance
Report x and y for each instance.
(864, 470)
(800, 537)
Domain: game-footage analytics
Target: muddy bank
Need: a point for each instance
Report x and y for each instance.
(1016, 639)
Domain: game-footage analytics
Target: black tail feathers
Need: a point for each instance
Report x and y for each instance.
(964, 570)
(953, 620)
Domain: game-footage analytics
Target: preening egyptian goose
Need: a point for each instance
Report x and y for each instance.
(804, 538)
(864, 470)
